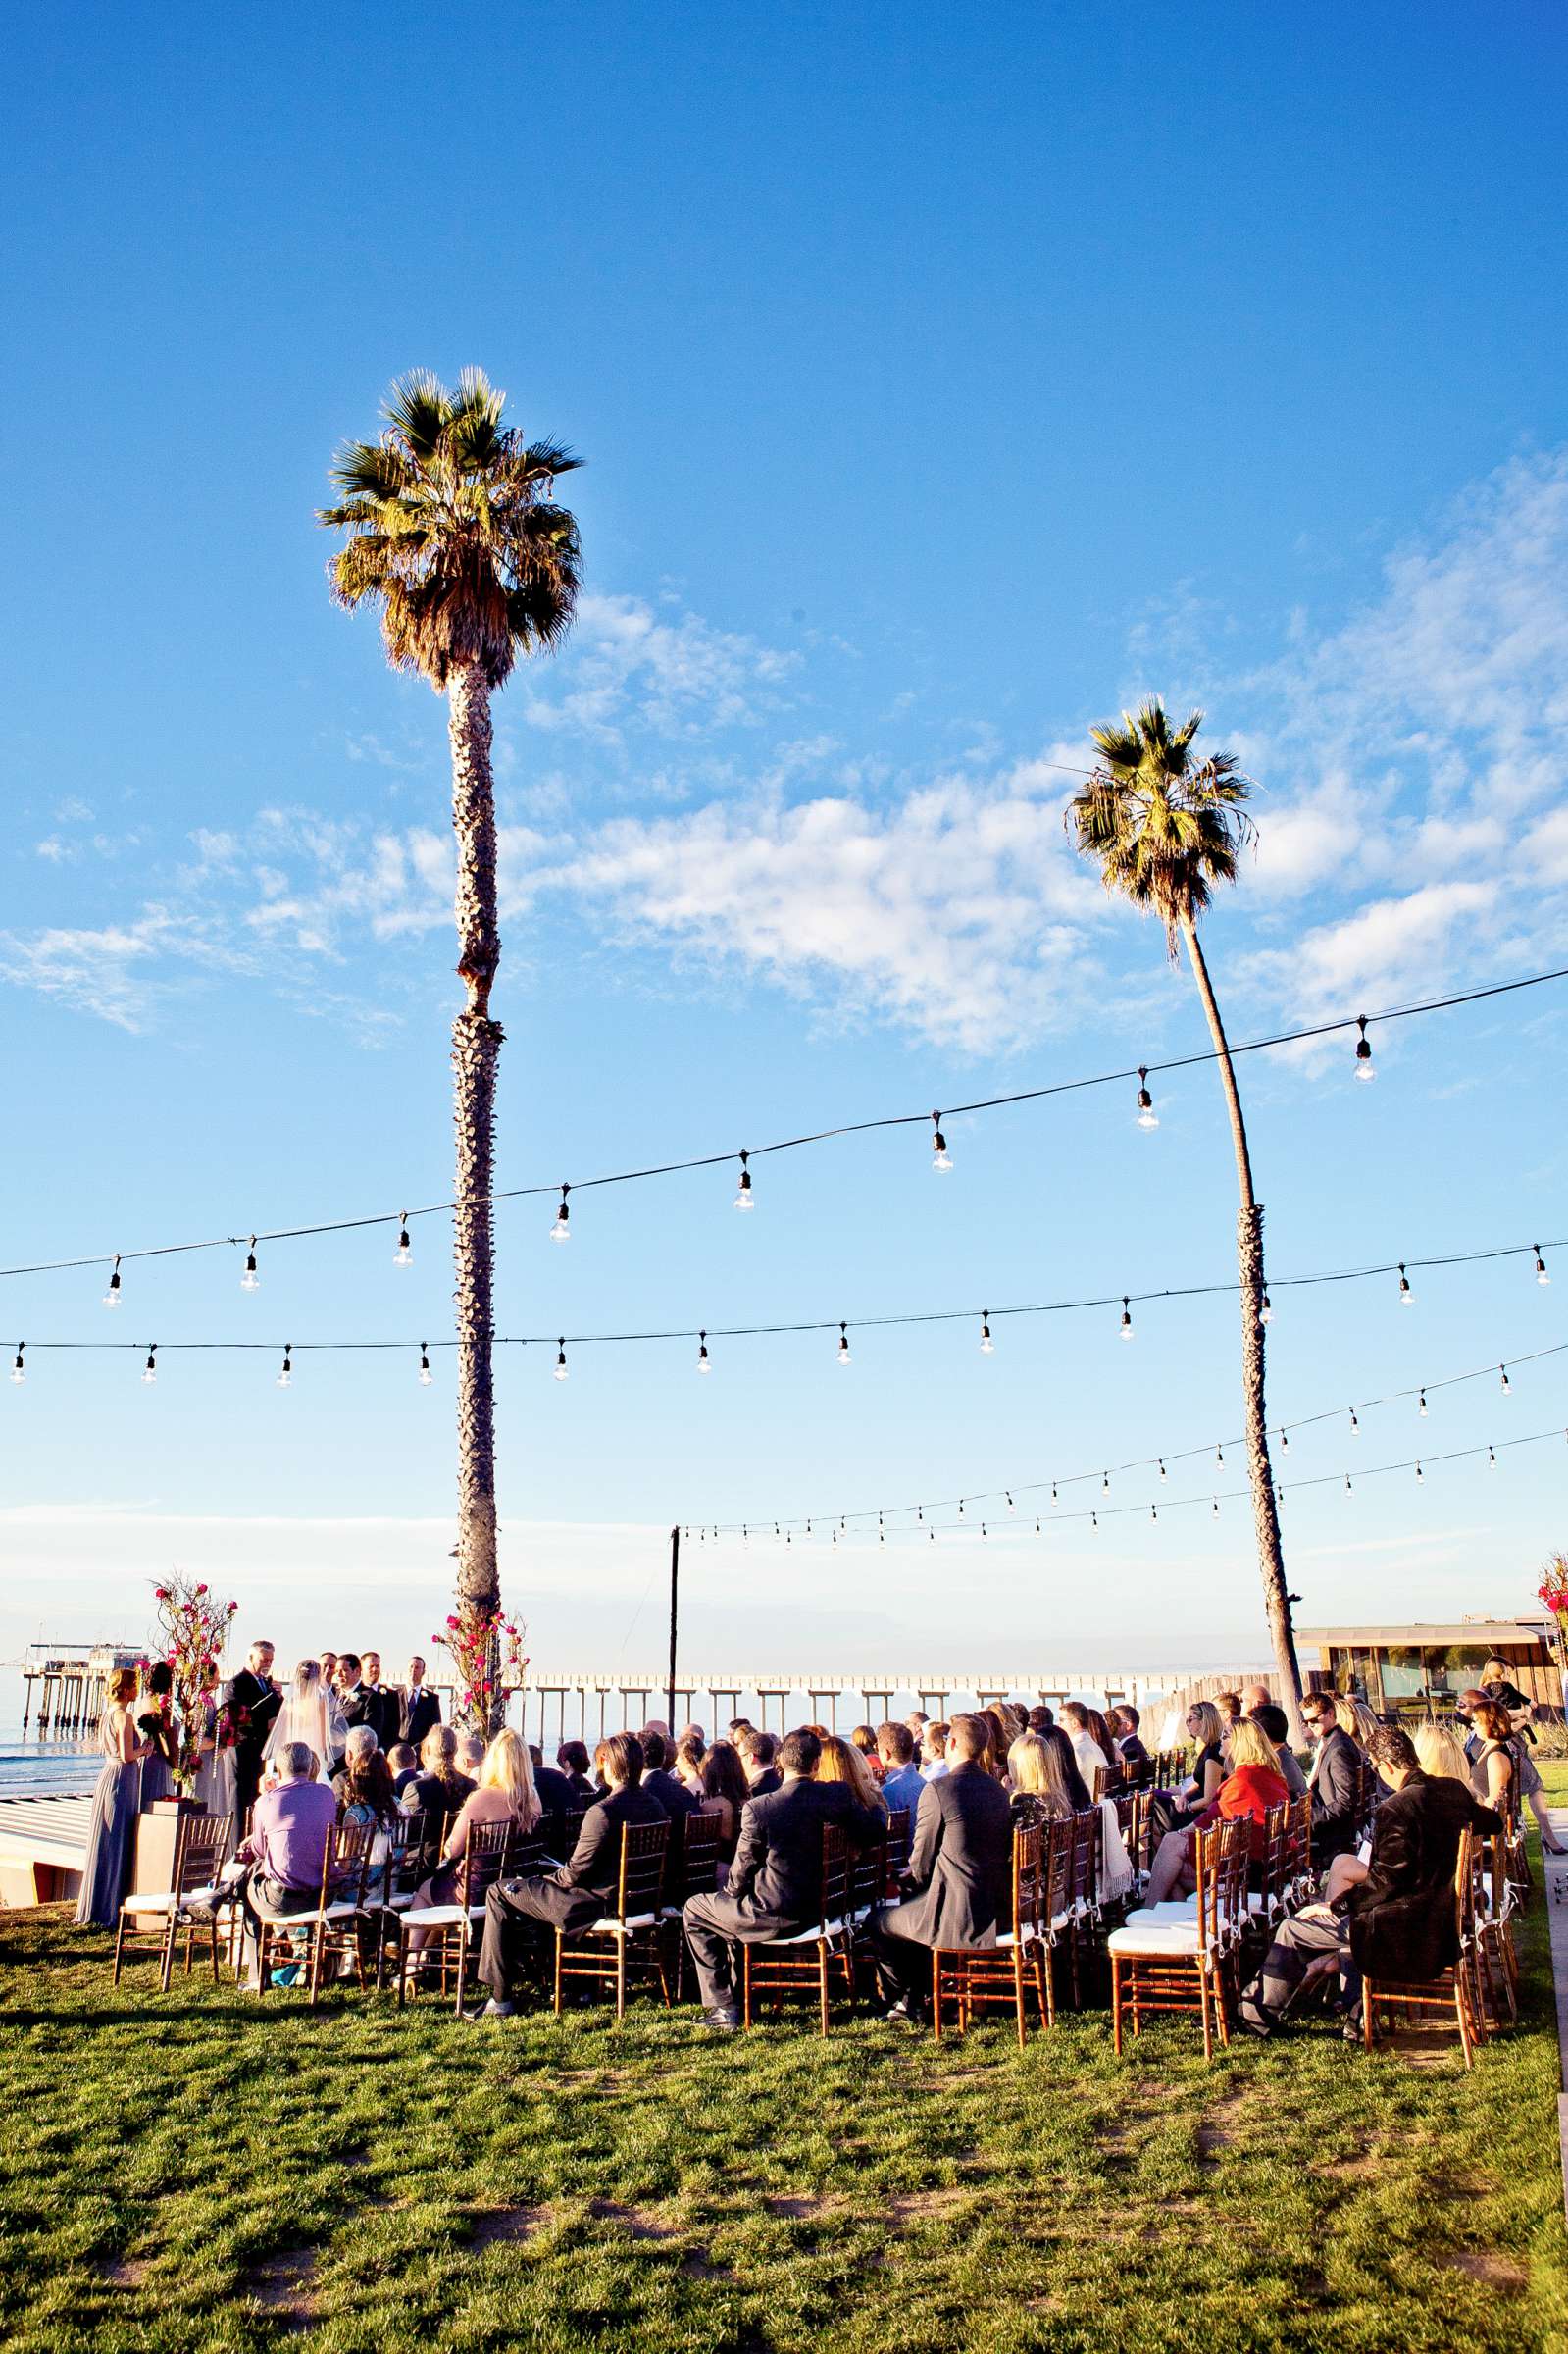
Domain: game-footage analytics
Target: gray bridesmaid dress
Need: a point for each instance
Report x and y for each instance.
(111, 1842)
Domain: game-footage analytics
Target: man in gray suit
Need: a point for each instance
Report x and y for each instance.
(959, 1886)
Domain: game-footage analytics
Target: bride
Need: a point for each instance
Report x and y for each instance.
(311, 1713)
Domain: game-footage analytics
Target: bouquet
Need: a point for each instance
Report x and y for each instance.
(193, 1627)
(1553, 1587)
(489, 1664)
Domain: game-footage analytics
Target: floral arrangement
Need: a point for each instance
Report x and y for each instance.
(193, 1628)
(1553, 1587)
(489, 1664)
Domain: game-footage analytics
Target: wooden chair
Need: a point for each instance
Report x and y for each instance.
(404, 1854)
(1183, 1965)
(1108, 1780)
(1266, 1902)
(201, 1843)
(1131, 1818)
(977, 1977)
(691, 1869)
(1454, 1995)
(629, 1936)
(448, 1933)
(1082, 1892)
(900, 1839)
(1300, 1880)
(332, 1924)
(1497, 1963)
(802, 1962)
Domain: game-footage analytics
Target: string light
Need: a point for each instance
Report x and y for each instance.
(1421, 1477)
(250, 1281)
(560, 1360)
(1148, 1116)
(1219, 1456)
(19, 1371)
(1348, 1483)
(1285, 1436)
(1127, 1318)
(987, 1346)
(426, 1375)
(561, 1231)
(403, 1256)
(1216, 1507)
(1153, 1512)
(111, 1298)
(149, 1372)
(1491, 1459)
(705, 1362)
(1266, 1311)
(743, 1199)
(843, 1344)
(1421, 1410)
(1365, 1068)
(1506, 1385)
(941, 1158)
(1406, 1295)
(1164, 1474)
(1105, 1483)
(1542, 1276)
(1356, 1427)
(286, 1379)
(1011, 1506)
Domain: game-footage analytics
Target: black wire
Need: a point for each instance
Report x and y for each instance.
(792, 1144)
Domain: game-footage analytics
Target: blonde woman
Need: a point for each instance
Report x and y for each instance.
(1206, 1727)
(1252, 1786)
(1039, 1786)
(1442, 1754)
(116, 1804)
(841, 1761)
(505, 1793)
(1355, 1718)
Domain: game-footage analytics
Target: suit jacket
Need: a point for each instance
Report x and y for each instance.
(1333, 1782)
(959, 1887)
(671, 1792)
(416, 1711)
(580, 1889)
(776, 1877)
(1132, 1751)
(1402, 1925)
(383, 1712)
(262, 1701)
(767, 1782)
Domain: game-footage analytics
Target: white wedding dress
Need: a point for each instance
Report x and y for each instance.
(316, 1720)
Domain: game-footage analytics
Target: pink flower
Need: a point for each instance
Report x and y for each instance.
(202, 1588)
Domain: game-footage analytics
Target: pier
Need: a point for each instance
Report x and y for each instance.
(71, 1681)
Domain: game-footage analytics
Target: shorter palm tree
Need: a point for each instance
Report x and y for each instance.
(1164, 828)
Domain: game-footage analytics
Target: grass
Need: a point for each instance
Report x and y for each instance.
(191, 2172)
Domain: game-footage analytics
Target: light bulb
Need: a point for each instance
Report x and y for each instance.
(1219, 1456)
(19, 1372)
(1105, 1483)
(250, 1281)
(1216, 1507)
(1164, 1474)
(1506, 1384)
(403, 1256)
(111, 1298)
(560, 1360)
(1491, 1459)
(1148, 1116)
(1347, 1488)
(941, 1158)
(1356, 1427)
(743, 1199)
(149, 1372)
(1153, 1512)
(1365, 1069)
(1011, 1506)
(1266, 1311)
(1127, 1320)
(561, 1231)
(1421, 1410)
(843, 1346)
(426, 1375)
(285, 1378)
(1541, 1266)
(1421, 1477)
(987, 1346)
(1285, 1436)
(1406, 1295)
(704, 1362)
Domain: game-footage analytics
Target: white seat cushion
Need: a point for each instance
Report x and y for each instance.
(1159, 1938)
(163, 1902)
(1173, 1907)
(829, 1928)
(435, 1917)
(1010, 1937)
(612, 1926)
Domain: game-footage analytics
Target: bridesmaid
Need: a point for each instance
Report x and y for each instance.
(156, 1725)
(106, 1874)
(215, 1776)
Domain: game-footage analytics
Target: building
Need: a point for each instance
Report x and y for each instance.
(1412, 1667)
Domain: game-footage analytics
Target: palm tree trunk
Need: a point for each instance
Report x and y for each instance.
(1249, 1253)
(476, 1053)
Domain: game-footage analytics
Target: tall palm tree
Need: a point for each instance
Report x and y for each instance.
(1165, 828)
(454, 532)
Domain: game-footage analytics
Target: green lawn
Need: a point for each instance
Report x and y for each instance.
(189, 2171)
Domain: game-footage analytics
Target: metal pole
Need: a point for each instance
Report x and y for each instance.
(675, 1594)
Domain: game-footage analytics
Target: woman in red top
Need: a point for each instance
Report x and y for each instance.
(1252, 1786)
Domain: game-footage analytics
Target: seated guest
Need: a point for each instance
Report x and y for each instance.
(1040, 1785)
(364, 1787)
(774, 1885)
(1255, 1697)
(732, 1731)
(571, 1760)
(759, 1754)
(689, 1752)
(1252, 1786)
(1041, 1717)
(725, 1791)
(917, 1721)
(290, 1827)
(1065, 1756)
(470, 1754)
(660, 1783)
(901, 1784)
(1207, 1728)
(1125, 1721)
(504, 1793)
(520, 1915)
(1355, 1718)
(865, 1740)
(438, 1788)
(1334, 1780)
(1502, 1773)
(994, 1759)
(1277, 1725)
(1499, 1686)
(933, 1750)
(1398, 1922)
(1439, 1755)
(1229, 1705)
(842, 1762)
(695, 1732)
(403, 1762)
(959, 1886)
(1088, 1749)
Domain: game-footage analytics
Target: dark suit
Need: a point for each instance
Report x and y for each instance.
(1333, 1782)
(671, 1793)
(517, 1912)
(557, 1800)
(1133, 1751)
(959, 1886)
(383, 1712)
(416, 1711)
(261, 1699)
(767, 1782)
(775, 1879)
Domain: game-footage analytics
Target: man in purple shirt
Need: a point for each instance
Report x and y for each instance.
(290, 1828)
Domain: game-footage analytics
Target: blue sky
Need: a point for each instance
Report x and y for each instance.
(946, 381)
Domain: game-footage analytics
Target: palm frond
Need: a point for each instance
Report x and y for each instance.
(1162, 829)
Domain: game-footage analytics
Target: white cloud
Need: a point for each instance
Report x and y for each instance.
(1394, 948)
(113, 972)
(674, 673)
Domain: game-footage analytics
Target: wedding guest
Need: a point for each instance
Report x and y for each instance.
(689, 1752)
(1056, 1740)
(1440, 1754)
(759, 1753)
(253, 1702)
(1040, 1792)
(420, 1708)
(1333, 1781)
(1486, 1716)
(1252, 1786)
(1206, 1727)
(116, 1804)
(521, 1913)
(917, 1721)
(572, 1759)
(901, 1784)
(1125, 1721)
(958, 1889)
(352, 1697)
(732, 1731)
(698, 1733)
(1355, 1718)
(504, 1793)
(1277, 1725)
(386, 1712)
(865, 1740)
(364, 1787)
(933, 1750)
(438, 1787)
(155, 1726)
(844, 1762)
(471, 1753)
(1255, 1697)
(994, 1759)
(1041, 1717)
(310, 1713)
(661, 1783)
(1229, 1706)
(291, 1825)
(725, 1791)
(1090, 1752)
(403, 1763)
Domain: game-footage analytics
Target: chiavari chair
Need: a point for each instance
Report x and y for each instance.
(201, 1843)
(974, 1977)
(445, 1937)
(1453, 1997)
(1183, 1965)
(802, 1962)
(628, 1936)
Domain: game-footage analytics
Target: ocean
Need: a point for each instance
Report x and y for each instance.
(35, 1769)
